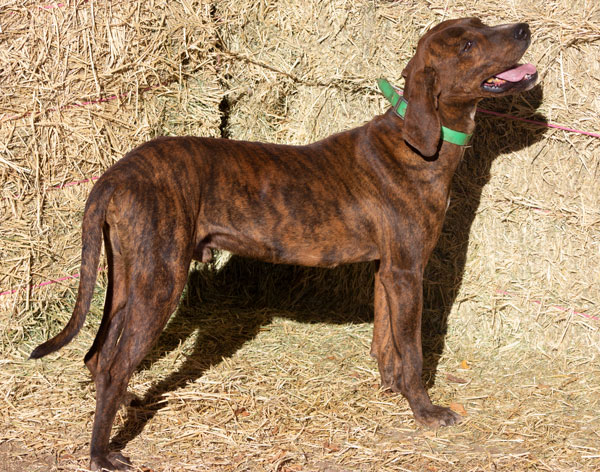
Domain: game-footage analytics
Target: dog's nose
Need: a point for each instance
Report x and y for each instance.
(521, 32)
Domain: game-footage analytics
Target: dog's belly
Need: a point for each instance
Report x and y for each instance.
(305, 239)
(306, 252)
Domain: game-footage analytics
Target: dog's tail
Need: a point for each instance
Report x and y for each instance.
(93, 221)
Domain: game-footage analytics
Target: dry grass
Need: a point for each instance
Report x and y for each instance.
(266, 367)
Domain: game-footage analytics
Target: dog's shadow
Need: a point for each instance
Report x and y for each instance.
(227, 307)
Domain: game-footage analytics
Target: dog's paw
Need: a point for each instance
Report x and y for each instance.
(437, 416)
(114, 461)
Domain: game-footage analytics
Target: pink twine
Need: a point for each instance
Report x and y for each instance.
(59, 186)
(539, 123)
(557, 307)
(58, 5)
(71, 184)
(43, 284)
(82, 104)
(50, 7)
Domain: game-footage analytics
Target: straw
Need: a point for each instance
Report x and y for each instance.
(267, 367)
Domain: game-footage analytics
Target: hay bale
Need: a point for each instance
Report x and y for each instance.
(301, 59)
(89, 82)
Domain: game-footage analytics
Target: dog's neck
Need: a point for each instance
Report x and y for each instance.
(458, 115)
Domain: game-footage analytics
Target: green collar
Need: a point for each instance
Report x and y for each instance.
(399, 104)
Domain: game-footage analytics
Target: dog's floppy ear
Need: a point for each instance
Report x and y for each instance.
(422, 126)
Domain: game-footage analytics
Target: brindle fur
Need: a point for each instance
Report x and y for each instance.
(378, 192)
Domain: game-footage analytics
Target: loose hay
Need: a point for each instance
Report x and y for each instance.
(266, 367)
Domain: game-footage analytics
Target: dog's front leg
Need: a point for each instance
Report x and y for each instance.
(403, 291)
(382, 346)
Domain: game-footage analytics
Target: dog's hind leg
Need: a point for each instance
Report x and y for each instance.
(130, 331)
(116, 298)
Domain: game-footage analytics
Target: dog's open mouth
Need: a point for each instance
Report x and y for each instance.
(521, 75)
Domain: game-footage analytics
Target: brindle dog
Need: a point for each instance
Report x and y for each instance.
(375, 193)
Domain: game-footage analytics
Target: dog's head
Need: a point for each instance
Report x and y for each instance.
(461, 61)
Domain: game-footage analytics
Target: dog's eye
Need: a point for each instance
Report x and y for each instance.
(467, 46)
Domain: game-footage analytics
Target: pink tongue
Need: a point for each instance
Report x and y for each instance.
(517, 74)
